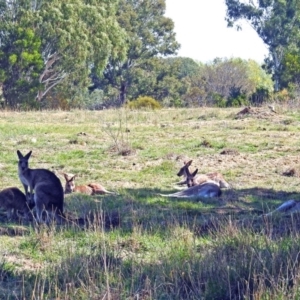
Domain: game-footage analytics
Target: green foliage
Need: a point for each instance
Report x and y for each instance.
(276, 22)
(228, 82)
(94, 33)
(165, 79)
(21, 63)
(261, 95)
(283, 95)
(237, 98)
(264, 85)
(218, 100)
(144, 102)
(53, 41)
(149, 34)
(290, 74)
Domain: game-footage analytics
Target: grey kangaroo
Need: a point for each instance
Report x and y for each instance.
(208, 189)
(48, 191)
(12, 200)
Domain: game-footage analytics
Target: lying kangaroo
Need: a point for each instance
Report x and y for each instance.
(99, 189)
(48, 192)
(192, 179)
(208, 189)
(89, 189)
(12, 200)
(289, 206)
(70, 186)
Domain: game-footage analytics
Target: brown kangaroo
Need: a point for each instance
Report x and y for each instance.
(192, 179)
(99, 189)
(70, 186)
(13, 200)
(48, 192)
(89, 189)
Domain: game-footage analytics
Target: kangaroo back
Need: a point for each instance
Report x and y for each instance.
(48, 191)
(99, 189)
(289, 206)
(219, 178)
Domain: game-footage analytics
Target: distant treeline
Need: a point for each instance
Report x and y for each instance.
(70, 54)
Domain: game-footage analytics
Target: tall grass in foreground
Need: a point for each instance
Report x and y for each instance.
(170, 262)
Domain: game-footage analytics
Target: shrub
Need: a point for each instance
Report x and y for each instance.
(144, 102)
(282, 96)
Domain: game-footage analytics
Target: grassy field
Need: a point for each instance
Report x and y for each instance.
(136, 244)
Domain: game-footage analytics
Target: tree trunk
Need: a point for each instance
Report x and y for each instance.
(123, 93)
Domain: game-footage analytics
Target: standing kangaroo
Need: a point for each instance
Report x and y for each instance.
(192, 179)
(48, 192)
(12, 200)
(89, 189)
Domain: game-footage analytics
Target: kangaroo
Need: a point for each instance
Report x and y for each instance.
(192, 179)
(89, 189)
(48, 192)
(13, 200)
(70, 186)
(290, 206)
(208, 189)
(99, 189)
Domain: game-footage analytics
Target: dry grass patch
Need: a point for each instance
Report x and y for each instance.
(259, 113)
(229, 152)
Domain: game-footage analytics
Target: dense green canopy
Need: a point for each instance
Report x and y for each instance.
(70, 37)
(149, 34)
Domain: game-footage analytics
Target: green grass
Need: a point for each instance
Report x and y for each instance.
(137, 244)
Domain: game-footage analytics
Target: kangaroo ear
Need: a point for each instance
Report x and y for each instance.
(189, 163)
(19, 154)
(195, 172)
(28, 155)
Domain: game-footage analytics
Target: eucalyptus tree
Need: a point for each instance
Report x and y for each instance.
(74, 36)
(277, 22)
(165, 79)
(290, 75)
(172, 79)
(20, 57)
(149, 34)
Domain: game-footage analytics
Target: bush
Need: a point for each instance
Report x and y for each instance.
(282, 96)
(260, 96)
(144, 102)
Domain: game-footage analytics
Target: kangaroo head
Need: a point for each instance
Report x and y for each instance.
(190, 178)
(70, 183)
(23, 161)
(185, 169)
